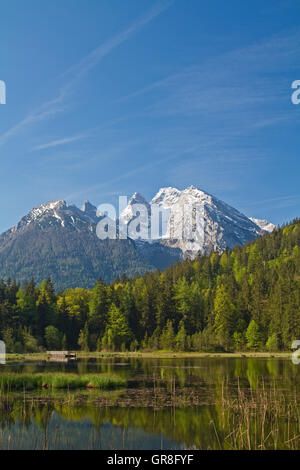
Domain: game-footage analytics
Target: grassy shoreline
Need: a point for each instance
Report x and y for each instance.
(59, 380)
(155, 354)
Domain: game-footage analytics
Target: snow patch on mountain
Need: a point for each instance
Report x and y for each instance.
(195, 222)
(166, 197)
(264, 225)
(130, 211)
(58, 213)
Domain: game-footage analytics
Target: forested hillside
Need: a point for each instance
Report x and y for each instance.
(244, 299)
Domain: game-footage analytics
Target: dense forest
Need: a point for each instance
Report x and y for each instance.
(244, 299)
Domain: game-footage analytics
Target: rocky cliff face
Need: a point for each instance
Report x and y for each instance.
(196, 222)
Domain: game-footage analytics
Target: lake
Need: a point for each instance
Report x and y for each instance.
(179, 403)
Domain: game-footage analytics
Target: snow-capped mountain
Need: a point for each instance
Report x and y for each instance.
(137, 206)
(129, 213)
(196, 222)
(264, 225)
(60, 240)
(59, 214)
(167, 197)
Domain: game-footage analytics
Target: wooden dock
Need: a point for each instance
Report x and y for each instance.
(61, 356)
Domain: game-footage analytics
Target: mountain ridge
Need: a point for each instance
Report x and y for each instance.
(197, 222)
(59, 240)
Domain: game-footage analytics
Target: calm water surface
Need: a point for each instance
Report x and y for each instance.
(205, 403)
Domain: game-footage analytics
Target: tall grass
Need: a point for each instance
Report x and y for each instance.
(261, 419)
(59, 381)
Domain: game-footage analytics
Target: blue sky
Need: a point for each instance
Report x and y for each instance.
(109, 97)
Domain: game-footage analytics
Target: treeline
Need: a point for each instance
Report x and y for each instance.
(244, 299)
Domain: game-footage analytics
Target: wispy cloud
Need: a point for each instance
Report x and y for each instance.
(33, 117)
(210, 110)
(59, 142)
(239, 84)
(279, 201)
(92, 132)
(76, 73)
(83, 67)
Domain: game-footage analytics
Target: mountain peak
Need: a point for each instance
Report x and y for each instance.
(166, 197)
(49, 206)
(129, 212)
(264, 225)
(138, 198)
(88, 207)
(55, 203)
(90, 211)
(193, 189)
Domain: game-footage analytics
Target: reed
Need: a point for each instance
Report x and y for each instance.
(59, 381)
(261, 419)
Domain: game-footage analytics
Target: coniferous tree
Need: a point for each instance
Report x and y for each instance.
(117, 329)
(181, 338)
(253, 336)
(83, 340)
(167, 339)
(224, 316)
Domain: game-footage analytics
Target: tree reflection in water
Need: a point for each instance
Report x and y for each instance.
(211, 403)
